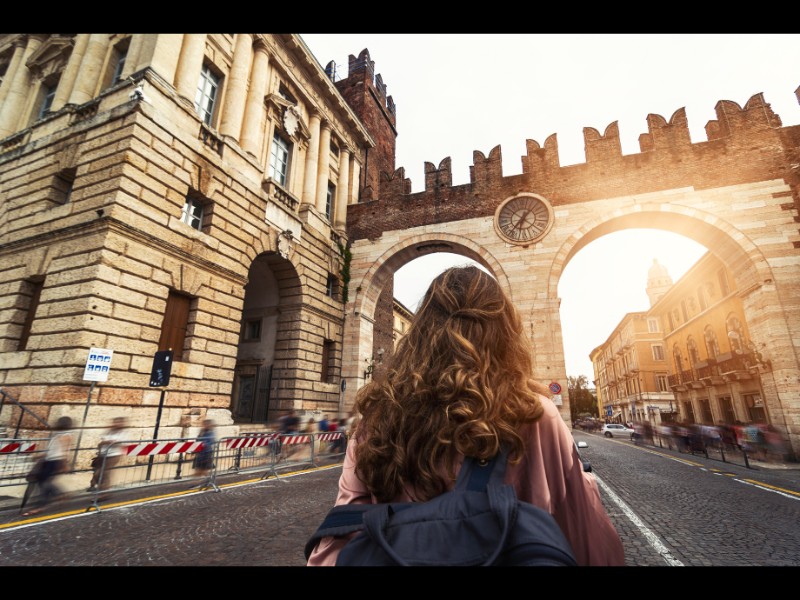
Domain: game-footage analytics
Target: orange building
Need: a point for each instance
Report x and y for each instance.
(716, 368)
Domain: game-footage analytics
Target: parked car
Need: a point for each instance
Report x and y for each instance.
(611, 430)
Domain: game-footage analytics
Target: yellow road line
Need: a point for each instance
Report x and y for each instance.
(771, 487)
(92, 508)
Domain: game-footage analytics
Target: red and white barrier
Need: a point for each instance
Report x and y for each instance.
(290, 440)
(7, 447)
(251, 442)
(151, 448)
(328, 437)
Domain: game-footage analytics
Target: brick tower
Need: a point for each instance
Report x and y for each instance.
(365, 92)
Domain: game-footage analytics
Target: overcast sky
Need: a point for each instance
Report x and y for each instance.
(457, 93)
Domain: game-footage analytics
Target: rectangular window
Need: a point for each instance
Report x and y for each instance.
(658, 352)
(206, 96)
(32, 290)
(661, 382)
(279, 159)
(192, 213)
(327, 357)
(286, 94)
(252, 330)
(329, 201)
(119, 65)
(331, 289)
(652, 325)
(48, 94)
(176, 321)
(726, 408)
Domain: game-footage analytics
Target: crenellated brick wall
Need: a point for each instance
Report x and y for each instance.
(745, 144)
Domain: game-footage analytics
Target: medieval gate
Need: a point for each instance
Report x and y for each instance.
(737, 194)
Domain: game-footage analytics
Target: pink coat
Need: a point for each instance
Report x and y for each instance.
(550, 475)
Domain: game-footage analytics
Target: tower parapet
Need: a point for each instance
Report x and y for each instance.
(365, 92)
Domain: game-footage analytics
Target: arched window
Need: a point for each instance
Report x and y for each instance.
(691, 345)
(677, 357)
(712, 346)
(735, 334)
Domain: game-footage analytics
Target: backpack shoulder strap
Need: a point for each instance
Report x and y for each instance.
(475, 475)
(340, 520)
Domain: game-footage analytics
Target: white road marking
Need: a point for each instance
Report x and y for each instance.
(651, 537)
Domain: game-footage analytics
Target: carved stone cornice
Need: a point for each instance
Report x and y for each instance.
(51, 57)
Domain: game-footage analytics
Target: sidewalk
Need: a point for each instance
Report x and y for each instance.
(736, 457)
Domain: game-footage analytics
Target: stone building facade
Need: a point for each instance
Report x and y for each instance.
(183, 192)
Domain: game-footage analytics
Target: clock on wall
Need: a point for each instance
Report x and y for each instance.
(523, 219)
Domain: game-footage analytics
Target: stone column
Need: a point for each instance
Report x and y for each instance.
(323, 166)
(89, 71)
(16, 60)
(70, 74)
(342, 190)
(236, 93)
(254, 108)
(312, 157)
(160, 52)
(190, 63)
(355, 184)
(19, 89)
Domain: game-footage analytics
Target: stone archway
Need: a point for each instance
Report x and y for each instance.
(261, 377)
(765, 276)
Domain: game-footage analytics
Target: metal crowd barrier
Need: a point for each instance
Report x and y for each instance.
(17, 457)
(159, 462)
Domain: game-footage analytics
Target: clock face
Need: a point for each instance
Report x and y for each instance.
(523, 219)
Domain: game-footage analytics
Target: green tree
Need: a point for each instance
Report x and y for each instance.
(581, 401)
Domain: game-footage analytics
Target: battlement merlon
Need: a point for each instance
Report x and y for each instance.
(543, 163)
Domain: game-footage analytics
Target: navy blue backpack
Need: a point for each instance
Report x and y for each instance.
(480, 522)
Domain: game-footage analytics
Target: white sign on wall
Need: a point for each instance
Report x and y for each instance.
(557, 400)
(98, 364)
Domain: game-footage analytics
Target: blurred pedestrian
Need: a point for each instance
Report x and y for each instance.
(109, 453)
(204, 459)
(339, 444)
(52, 464)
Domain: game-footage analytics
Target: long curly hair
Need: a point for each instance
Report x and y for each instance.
(459, 382)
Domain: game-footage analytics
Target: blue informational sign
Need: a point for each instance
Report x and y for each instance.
(608, 411)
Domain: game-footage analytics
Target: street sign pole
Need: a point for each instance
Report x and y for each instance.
(159, 377)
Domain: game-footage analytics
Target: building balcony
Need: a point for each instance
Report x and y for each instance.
(708, 373)
(736, 368)
(676, 383)
(280, 196)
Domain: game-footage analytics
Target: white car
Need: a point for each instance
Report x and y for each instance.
(611, 430)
